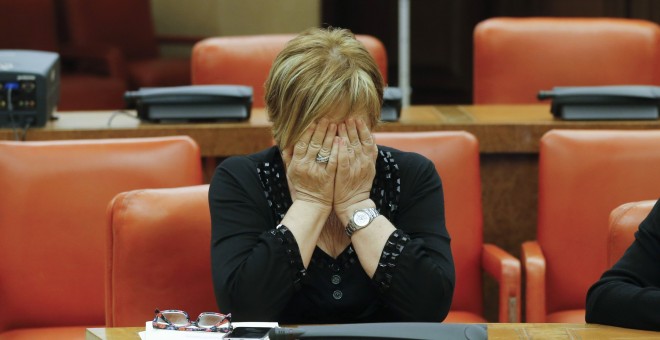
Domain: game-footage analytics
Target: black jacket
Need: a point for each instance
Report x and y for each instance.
(628, 294)
(258, 273)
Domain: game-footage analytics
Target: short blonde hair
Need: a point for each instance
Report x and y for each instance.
(318, 70)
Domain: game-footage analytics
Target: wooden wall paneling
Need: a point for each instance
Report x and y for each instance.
(441, 51)
(374, 17)
(441, 42)
(645, 9)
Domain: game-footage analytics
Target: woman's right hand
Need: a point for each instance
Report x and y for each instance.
(313, 181)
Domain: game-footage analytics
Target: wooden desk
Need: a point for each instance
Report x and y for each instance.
(495, 331)
(564, 331)
(508, 137)
(499, 128)
(113, 333)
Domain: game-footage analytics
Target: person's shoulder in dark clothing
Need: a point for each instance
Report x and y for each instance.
(628, 294)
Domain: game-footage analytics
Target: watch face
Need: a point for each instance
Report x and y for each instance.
(361, 218)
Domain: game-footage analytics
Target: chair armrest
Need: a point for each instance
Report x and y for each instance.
(534, 264)
(506, 270)
(105, 59)
(178, 39)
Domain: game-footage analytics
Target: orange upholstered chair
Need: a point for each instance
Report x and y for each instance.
(128, 25)
(456, 158)
(159, 254)
(52, 220)
(583, 175)
(32, 25)
(514, 58)
(624, 222)
(246, 60)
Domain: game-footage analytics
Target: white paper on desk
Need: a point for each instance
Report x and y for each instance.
(164, 334)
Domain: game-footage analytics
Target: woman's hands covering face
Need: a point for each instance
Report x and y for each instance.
(313, 181)
(356, 167)
(348, 175)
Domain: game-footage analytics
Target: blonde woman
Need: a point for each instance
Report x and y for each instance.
(328, 227)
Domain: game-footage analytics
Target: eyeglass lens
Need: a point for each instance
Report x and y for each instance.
(210, 319)
(177, 318)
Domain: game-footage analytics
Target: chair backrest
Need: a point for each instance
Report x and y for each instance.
(52, 220)
(246, 60)
(583, 175)
(624, 222)
(514, 58)
(158, 254)
(84, 83)
(19, 35)
(455, 155)
(125, 24)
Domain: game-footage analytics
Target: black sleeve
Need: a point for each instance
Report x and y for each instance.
(419, 284)
(255, 267)
(628, 294)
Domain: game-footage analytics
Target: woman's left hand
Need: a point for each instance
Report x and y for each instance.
(356, 167)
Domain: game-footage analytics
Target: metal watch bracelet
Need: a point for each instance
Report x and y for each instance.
(352, 226)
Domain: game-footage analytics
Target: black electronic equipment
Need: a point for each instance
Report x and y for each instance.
(383, 331)
(391, 110)
(192, 103)
(29, 87)
(625, 102)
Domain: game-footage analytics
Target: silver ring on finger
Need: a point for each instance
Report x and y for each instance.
(322, 159)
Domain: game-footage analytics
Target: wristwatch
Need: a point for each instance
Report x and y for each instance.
(361, 219)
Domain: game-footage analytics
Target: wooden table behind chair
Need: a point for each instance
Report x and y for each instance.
(508, 136)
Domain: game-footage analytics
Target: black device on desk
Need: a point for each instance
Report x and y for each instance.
(247, 333)
(391, 110)
(192, 103)
(381, 331)
(29, 87)
(624, 102)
